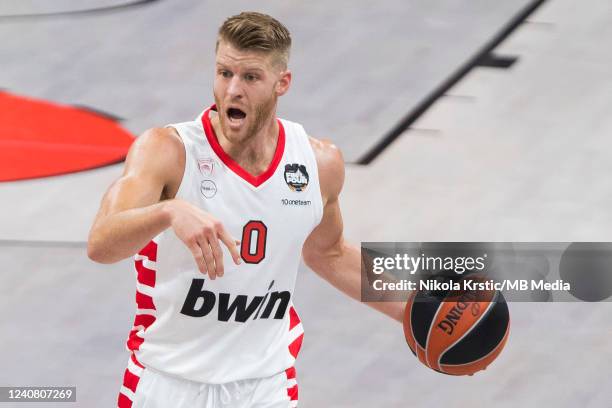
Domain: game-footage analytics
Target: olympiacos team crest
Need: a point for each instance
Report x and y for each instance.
(208, 188)
(206, 166)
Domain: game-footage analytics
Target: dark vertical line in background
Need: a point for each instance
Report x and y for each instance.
(413, 115)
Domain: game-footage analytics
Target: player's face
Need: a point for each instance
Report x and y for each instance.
(246, 87)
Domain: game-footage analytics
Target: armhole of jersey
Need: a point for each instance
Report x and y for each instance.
(188, 162)
(319, 214)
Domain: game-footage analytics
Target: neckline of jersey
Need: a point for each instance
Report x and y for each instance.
(256, 181)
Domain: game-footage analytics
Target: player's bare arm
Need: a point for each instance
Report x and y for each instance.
(141, 204)
(326, 251)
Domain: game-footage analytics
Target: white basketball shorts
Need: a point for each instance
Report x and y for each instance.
(149, 388)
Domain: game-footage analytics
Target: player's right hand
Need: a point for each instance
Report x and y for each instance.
(201, 233)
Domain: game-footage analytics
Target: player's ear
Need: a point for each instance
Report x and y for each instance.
(284, 82)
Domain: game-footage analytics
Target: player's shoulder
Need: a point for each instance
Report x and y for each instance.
(157, 149)
(160, 136)
(328, 155)
(158, 140)
(330, 164)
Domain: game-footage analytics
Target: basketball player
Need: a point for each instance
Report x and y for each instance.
(217, 212)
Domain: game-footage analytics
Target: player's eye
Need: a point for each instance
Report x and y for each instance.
(225, 74)
(250, 77)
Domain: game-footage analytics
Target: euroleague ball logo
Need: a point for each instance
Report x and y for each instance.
(208, 188)
(296, 176)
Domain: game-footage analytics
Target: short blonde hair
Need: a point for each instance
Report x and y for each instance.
(254, 31)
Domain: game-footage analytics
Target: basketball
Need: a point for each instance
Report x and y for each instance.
(460, 333)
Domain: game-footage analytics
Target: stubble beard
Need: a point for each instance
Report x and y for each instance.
(262, 115)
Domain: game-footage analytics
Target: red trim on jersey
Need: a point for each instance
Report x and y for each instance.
(294, 320)
(135, 361)
(290, 372)
(235, 167)
(130, 380)
(144, 301)
(292, 392)
(145, 275)
(294, 348)
(124, 402)
(150, 251)
(134, 342)
(144, 320)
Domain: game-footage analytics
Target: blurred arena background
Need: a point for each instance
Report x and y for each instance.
(461, 120)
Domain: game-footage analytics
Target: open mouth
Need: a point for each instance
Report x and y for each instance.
(236, 116)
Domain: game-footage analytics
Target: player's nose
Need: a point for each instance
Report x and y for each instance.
(234, 88)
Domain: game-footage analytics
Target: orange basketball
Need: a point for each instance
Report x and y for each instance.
(457, 334)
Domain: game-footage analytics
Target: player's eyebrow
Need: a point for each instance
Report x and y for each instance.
(250, 68)
(254, 69)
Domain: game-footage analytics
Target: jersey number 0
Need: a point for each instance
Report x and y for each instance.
(253, 245)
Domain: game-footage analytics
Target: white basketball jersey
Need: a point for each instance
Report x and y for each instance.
(242, 325)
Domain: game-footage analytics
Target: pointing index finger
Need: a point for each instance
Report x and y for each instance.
(231, 244)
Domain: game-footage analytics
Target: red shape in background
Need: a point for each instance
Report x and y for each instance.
(40, 138)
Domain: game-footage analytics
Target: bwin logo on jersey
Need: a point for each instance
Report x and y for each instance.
(239, 308)
(296, 176)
